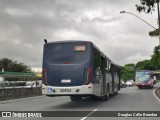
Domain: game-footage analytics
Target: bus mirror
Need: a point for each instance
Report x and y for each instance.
(45, 40)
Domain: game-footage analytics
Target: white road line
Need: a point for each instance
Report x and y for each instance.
(156, 95)
(89, 114)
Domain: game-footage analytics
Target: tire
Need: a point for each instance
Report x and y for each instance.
(139, 87)
(94, 97)
(75, 98)
(108, 93)
(115, 93)
(102, 98)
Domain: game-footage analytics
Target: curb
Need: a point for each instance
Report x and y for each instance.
(156, 95)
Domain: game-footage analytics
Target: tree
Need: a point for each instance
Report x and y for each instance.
(148, 6)
(153, 63)
(156, 57)
(128, 72)
(13, 66)
(154, 33)
(145, 65)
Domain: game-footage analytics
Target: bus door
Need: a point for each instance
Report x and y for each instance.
(112, 73)
(103, 80)
(97, 73)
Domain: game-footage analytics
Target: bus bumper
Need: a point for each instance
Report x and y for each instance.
(144, 85)
(67, 91)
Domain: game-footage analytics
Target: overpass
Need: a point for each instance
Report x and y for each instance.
(155, 71)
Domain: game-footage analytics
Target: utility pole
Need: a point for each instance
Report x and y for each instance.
(158, 20)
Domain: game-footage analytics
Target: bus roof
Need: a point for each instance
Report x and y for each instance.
(83, 41)
(69, 41)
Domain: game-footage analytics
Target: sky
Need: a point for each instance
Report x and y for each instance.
(24, 24)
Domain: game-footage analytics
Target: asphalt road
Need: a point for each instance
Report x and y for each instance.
(128, 99)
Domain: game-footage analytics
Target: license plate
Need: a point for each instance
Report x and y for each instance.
(65, 90)
(65, 81)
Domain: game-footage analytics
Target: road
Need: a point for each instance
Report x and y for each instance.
(128, 99)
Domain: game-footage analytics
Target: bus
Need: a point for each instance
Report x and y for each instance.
(144, 79)
(78, 69)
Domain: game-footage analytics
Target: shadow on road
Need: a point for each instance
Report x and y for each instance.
(87, 102)
(148, 88)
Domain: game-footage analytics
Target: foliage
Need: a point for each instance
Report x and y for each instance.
(154, 33)
(148, 6)
(153, 63)
(13, 66)
(156, 57)
(128, 72)
(145, 65)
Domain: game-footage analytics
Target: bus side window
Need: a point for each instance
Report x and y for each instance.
(116, 76)
(97, 69)
(108, 66)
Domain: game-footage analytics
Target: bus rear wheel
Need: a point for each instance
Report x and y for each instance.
(108, 93)
(106, 97)
(76, 98)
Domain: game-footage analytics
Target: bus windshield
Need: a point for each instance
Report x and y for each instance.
(142, 75)
(66, 52)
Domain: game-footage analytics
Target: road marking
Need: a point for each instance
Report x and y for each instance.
(89, 114)
(156, 95)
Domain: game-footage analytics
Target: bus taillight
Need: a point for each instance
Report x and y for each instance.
(89, 72)
(44, 77)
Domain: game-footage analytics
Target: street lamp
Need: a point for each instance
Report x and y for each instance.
(143, 21)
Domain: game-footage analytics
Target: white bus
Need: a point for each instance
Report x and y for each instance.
(78, 69)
